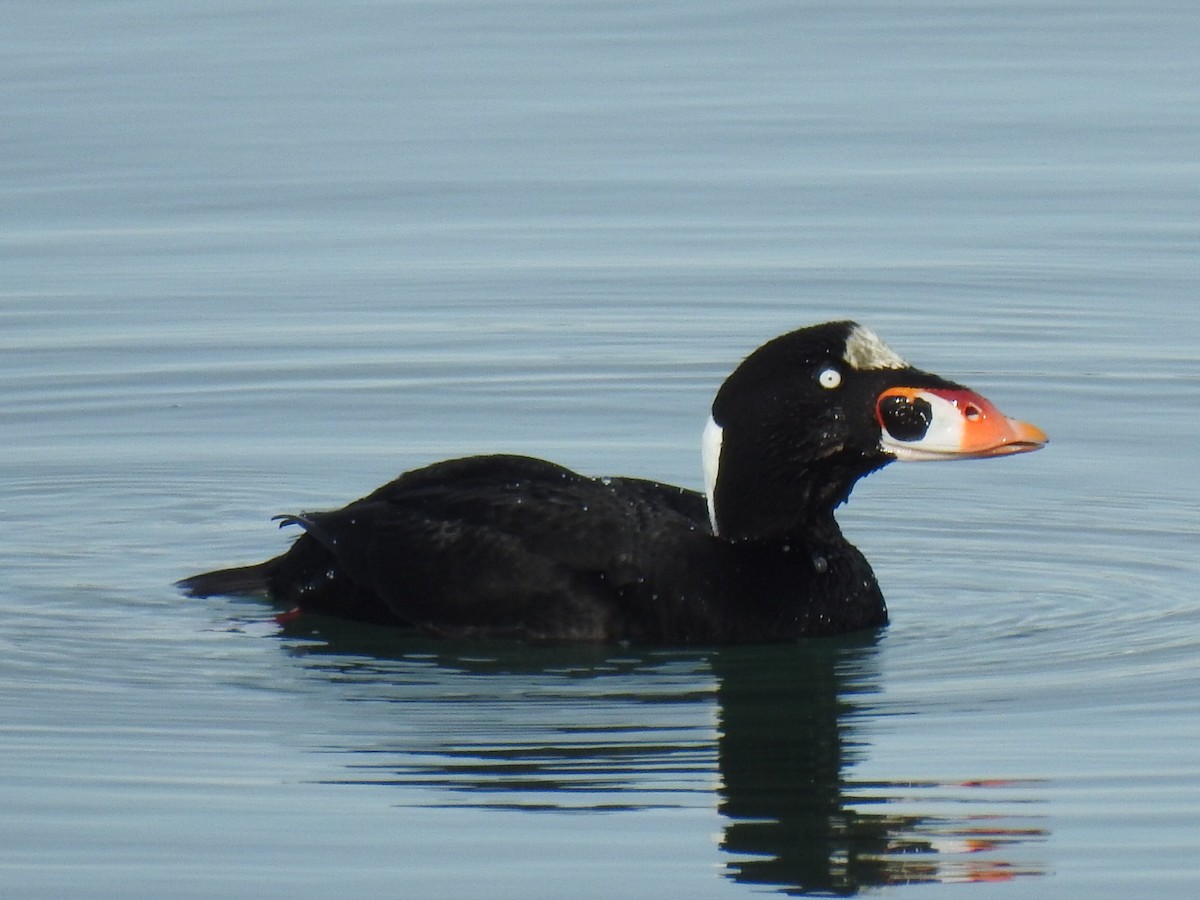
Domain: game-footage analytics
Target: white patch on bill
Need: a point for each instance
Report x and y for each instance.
(864, 350)
(710, 453)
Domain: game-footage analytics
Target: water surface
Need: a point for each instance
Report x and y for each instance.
(262, 258)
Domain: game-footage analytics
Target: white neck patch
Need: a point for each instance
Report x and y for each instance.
(864, 350)
(710, 453)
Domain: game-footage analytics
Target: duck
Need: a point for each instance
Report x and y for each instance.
(513, 547)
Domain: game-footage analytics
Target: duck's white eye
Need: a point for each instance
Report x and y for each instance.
(830, 378)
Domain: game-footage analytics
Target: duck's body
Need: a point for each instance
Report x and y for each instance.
(517, 547)
(508, 546)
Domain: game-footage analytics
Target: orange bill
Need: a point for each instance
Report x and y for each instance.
(936, 423)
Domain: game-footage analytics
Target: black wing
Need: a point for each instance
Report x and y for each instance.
(494, 545)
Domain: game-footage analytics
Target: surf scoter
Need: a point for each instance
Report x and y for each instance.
(508, 546)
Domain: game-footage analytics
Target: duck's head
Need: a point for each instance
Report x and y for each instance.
(809, 413)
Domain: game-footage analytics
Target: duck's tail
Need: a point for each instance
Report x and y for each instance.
(253, 579)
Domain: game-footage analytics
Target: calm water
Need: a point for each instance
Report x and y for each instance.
(259, 258)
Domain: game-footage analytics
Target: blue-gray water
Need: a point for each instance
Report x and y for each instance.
(258, 258)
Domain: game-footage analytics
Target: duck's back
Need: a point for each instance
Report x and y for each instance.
(502, 546)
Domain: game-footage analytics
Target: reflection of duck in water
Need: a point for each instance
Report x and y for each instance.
(796, 818)
(514, 547)
(571, 728)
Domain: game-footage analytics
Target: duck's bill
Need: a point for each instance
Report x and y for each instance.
(934, 423)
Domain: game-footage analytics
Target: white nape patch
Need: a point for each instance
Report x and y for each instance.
(710, 453)
(864, 350)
